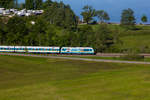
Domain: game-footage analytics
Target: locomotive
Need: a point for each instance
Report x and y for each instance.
(47, 50)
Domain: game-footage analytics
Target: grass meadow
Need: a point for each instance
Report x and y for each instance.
(131, 39)
(29, 78)
(146, 59)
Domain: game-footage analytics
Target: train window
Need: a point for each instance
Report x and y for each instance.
(86, 49)
(74, 50)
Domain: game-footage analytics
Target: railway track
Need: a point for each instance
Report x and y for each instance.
(82, 59)
(117, 54)
(98, 54)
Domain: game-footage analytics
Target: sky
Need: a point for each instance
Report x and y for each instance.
(113, 7)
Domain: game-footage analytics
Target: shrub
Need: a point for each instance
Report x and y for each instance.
(132, 57)
(132, 54)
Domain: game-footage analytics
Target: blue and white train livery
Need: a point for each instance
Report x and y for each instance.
(77, 50)
(29, 49)
(49, 50)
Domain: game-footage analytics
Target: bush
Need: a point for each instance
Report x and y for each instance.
(132, 57)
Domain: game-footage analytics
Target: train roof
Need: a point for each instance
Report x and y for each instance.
(29, 47)
(79, 47)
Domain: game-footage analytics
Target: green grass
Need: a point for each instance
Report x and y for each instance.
(135, 41)
(29, 78)
(132, 39)
(146, 59)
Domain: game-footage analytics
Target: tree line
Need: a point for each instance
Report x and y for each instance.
(88, 13)
(59, 26)
(29, 4)
(127, 16)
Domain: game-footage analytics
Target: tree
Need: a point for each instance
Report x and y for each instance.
(29, 4)
(103, 38)
(38, 4)
(16, 28)
(3, 32)
(88, 13)
(85, 36)
(144, 19)
(16, 4)
(7, 3)
(127, 17)
(47, 3)
(102, 15)
(60, 15)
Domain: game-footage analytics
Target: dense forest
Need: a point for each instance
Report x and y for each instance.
(59, 26)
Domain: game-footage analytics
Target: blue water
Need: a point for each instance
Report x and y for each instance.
(113, 7)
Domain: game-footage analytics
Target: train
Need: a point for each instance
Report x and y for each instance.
(48, 50)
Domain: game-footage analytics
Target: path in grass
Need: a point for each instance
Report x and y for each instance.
(32, 78)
